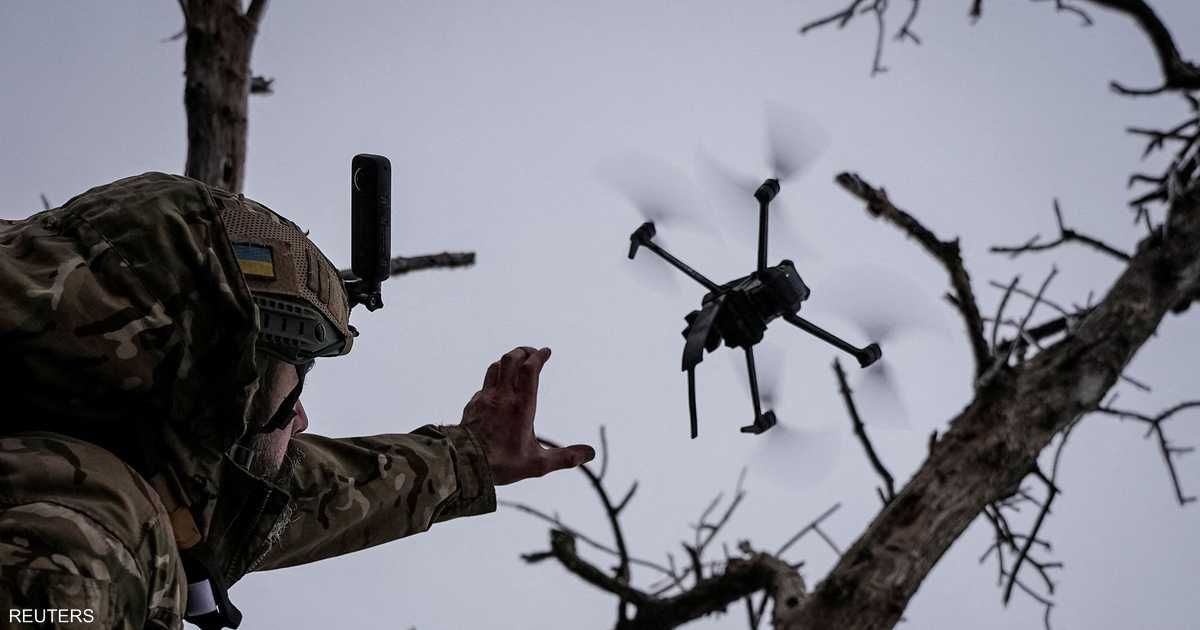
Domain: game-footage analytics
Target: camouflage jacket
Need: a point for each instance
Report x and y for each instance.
(127, 336)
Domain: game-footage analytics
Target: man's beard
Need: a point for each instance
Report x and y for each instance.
(262, 464)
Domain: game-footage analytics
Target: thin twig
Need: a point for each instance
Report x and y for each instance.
(401, 265)
(860, 430)
(1002, 361)
(1024, 293)
(1062, 7)
(1155, 427)
(1178, 73)
(1065, 235)
(1042, 331)
(807, 528)
(842, 17)
(906, 28)
(1000, 311)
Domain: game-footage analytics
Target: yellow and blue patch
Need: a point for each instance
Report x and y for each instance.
(255, 260)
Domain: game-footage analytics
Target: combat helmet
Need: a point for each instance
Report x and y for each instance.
(301, 305)
(303, 310)
(302, 301)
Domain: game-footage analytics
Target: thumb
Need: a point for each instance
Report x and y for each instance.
(569, 456)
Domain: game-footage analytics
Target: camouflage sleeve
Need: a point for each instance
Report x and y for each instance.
(354, 493)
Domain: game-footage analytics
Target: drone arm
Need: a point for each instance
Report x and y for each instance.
(680, 265)
(865, 356)
(762, 235)
(643, 237)
(765, 193)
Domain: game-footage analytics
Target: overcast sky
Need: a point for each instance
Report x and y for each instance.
(496, 119)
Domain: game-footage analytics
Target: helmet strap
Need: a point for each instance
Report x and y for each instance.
(285, 412)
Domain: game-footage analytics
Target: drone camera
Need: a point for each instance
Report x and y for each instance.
(786, 286)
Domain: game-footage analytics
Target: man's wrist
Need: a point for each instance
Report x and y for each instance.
(477, 487)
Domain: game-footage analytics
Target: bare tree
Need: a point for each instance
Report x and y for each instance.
(1034, 380)
(220, 37)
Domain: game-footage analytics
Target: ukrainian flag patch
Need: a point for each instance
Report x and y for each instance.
(255, 260)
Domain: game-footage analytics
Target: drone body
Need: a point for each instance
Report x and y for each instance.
(737, 313)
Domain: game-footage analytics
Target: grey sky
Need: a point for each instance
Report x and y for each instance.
(495, 118)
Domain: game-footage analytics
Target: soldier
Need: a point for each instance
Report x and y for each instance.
(155, 334)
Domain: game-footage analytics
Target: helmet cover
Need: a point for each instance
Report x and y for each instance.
(303, 310)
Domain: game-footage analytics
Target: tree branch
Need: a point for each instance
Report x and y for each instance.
(889, 491)
(1062, 7)
(216, 89)
(1155, 427)
(445, 260)
(1065, 235)
(1042, 331)
(842, 17)
(994, 442)
(734, 579)
(906, 28)
(946, 252)
(740, 578)
(1023, 554)
(562, 547)
(611, 511)
(1178, 73)
(401, 265)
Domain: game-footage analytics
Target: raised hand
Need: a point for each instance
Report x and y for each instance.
(500, 415)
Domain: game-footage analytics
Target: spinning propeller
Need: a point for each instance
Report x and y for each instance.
(795, 451)
(793, 143)
(737, 312)
(888, 307)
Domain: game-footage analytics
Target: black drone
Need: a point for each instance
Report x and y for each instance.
(737, 312)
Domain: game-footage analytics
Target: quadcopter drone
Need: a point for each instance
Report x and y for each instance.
(737, 312)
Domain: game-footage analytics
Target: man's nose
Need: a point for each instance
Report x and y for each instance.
(301, 422)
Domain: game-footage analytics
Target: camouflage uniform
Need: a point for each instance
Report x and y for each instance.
(127, 333)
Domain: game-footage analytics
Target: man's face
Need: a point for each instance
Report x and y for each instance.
(271, 448)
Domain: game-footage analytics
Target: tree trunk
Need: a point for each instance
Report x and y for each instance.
(994, 443)
(217, 89)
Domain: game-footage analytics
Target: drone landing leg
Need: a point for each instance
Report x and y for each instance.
(866, 356)
(692, 401)
(762, 421)
(680, 265)
(762, 235)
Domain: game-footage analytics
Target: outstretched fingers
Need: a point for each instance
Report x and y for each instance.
(530, 370)
(553, 459)
(510, 366)
(492, 378)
